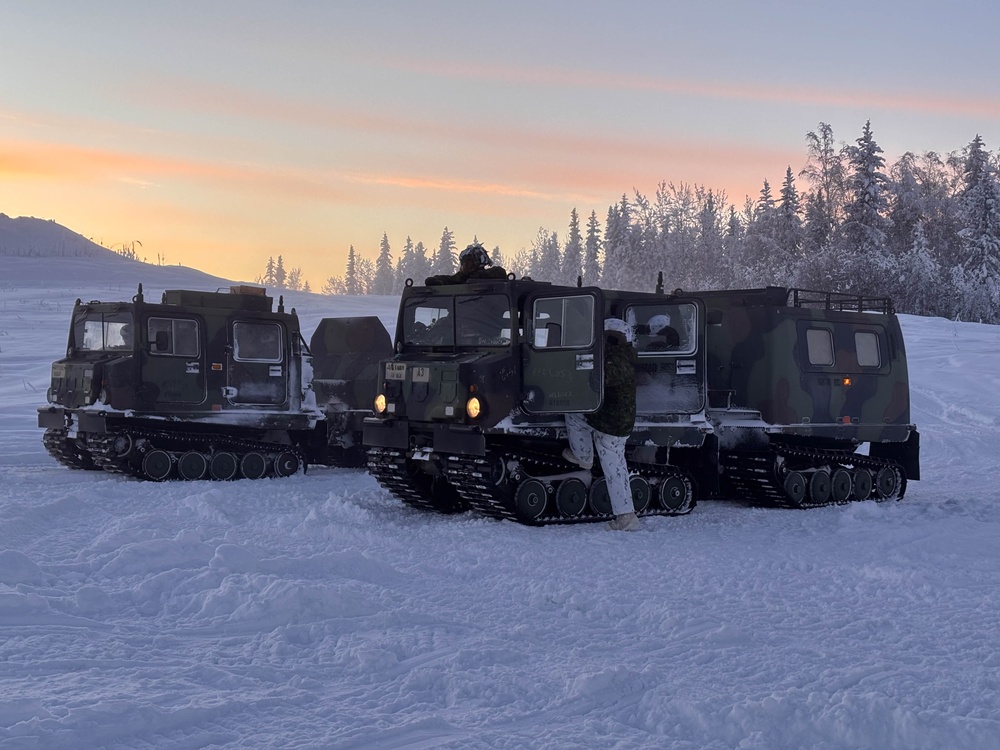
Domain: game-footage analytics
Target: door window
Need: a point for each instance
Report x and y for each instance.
(256, 342)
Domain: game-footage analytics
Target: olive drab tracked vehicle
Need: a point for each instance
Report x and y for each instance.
(209, 385)
(770, 395)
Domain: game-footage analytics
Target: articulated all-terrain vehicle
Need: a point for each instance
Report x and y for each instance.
(209, 385)
(777, 396)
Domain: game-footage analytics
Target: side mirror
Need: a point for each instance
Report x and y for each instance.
(162, 342)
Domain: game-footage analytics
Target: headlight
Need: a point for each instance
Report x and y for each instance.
(380, 403)
(473, 408)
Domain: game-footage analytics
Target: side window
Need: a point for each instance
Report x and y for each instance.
(664, 329)
(173, 337)
(563, 322)
(866, 345)
(819, 342)
(257, 342)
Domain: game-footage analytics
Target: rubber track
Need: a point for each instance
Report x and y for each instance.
(755, 477)
(389, 468)
(471, 476)
(66, 451)
(143, 441)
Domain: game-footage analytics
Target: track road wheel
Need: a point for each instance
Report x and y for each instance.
(673, 494)
(157, 465)
(530, 499)
(253, 465)
(192, 465)
(819, 487)
(841, 485)
(286, 463)
(795, 487)
(887, 483)
(571, 498)
(862, 484)
(223, 466)
(640, 493)
(600, 500)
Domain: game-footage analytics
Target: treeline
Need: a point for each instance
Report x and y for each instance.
(925, 231)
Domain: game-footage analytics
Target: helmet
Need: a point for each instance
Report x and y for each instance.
(619, 326)
(658, 322)
(477, 254)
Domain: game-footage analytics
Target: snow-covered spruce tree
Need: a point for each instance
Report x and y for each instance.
(545, 256)
(352, 284)
(279, 273)
(788, 231)
(918, 284)
(761, 259)
(444, 258)
(617, 250)
(404, 267)
(592, 251)
(572, 257)
(708, 261)
(268, 279)
(978, 275)
(497, 257)
(382, 283)
(863, 234)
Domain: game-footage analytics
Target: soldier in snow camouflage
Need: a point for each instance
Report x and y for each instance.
(609, 427)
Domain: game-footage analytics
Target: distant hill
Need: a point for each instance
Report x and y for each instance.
(39, 252)
(28, 237)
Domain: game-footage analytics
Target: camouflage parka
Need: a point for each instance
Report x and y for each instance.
(617, 413)
(496, 272)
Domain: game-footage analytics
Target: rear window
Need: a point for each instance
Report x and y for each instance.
(866, 344)
(819, 342)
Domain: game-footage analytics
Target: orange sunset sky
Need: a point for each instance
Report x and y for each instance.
(218, 134)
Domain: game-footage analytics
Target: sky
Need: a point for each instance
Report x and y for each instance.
(220, 134)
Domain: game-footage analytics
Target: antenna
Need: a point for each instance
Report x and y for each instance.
(281, 303)
(659, 282)
(138, 296)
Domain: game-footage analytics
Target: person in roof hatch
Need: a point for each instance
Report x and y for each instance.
(608, 428)
(473, 264)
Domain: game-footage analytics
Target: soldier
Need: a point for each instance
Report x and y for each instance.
(608, 428)
(472, 264)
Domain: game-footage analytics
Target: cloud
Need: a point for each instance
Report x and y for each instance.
(931, 103)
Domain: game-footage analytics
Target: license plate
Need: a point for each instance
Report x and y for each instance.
(395, 371)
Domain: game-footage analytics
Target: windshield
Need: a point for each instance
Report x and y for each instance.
(465, 320)
(102, 333)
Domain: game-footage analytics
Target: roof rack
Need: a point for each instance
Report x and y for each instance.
(843, 302)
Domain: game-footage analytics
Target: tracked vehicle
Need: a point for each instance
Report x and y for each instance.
(775, 396)
(209, 385)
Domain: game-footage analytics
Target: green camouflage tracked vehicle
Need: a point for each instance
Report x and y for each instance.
(776, 396)
(209, 385)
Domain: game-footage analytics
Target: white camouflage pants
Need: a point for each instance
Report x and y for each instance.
(583, 439)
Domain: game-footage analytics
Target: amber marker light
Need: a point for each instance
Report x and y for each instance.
(380, 403)
(473, 408)
(847, 381)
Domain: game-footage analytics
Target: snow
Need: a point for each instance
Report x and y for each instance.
(318, 612)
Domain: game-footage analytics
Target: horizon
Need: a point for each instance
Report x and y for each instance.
(218, 139)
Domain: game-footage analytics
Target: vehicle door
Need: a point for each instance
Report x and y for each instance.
(173, 360)
(671, 370)
(258, 363)
(562, 354)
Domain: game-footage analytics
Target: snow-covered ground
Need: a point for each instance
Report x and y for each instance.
(317, 612)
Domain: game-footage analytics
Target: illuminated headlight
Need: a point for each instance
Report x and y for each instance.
(380, 403)
(473, 408)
